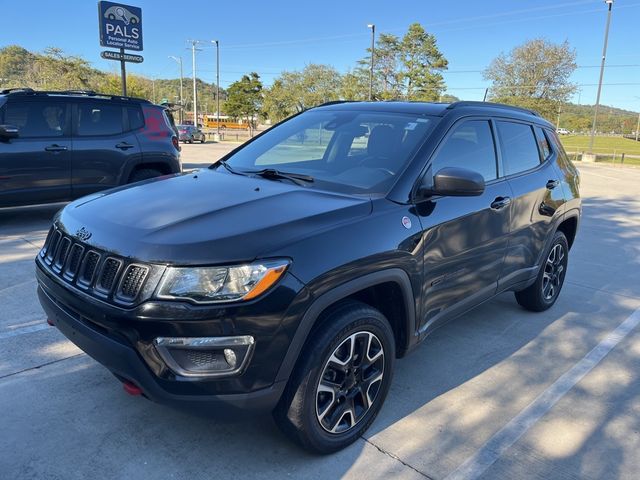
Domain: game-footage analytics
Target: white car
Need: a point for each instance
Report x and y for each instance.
(563, 131)
(120, 13)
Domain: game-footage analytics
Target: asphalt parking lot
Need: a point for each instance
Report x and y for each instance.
(499, 393)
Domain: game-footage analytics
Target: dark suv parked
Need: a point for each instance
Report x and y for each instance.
(291, 274)
(57, 146)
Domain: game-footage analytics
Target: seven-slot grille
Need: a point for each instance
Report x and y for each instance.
(92, 270)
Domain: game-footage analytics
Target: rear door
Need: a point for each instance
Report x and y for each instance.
(528, 164)
(36, 166)
(465, 238)
(104, 145)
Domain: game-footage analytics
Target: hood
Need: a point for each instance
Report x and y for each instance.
(207, 217)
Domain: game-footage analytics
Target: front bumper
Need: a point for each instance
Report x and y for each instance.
(121, 340)
(125, 362)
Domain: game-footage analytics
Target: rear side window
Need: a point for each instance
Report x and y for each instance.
(543, 143)
(470, 146)
(136, 119)
(37, 119)
(96, 119)
(518, 145)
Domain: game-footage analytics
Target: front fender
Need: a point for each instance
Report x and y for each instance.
(344, 290)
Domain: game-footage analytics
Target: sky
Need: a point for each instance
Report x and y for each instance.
(271, 36)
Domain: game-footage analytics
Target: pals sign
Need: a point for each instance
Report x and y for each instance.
(120, 26)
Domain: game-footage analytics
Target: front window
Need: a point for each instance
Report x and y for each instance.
(349, 151)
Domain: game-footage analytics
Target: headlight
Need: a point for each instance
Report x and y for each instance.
(220, 284)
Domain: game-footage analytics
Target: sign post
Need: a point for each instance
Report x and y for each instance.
(120, 27)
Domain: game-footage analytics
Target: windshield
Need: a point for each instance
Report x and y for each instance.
(349, 151)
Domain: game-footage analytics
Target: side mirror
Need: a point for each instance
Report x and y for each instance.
(8, 131)
(453, 182)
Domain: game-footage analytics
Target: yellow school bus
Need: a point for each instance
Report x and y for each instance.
(210, 121)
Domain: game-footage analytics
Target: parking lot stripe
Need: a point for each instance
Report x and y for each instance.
(23, 330)
(491, 451)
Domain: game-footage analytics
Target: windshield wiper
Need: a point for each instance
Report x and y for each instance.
(229, 168)
(272, 173)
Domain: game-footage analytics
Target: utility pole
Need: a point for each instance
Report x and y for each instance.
(604, 56)
(217, 87)
(179, 60)
(373, 46)
(558, 120)
(638, 127)
(195, 90)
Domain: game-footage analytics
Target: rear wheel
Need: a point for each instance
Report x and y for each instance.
(144, 174)
(340, 381)
(204, 139)
(546, 289)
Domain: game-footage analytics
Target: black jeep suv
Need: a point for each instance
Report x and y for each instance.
(291, 274)
(57, 146)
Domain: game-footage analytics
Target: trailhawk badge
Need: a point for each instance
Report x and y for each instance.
(406, 222)
(83, 234)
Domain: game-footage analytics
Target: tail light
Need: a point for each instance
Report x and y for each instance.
(175, 142)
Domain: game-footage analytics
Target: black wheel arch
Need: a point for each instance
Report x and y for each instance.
(404, 330)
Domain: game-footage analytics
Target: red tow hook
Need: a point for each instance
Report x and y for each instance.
(131, 388)
(50, 322)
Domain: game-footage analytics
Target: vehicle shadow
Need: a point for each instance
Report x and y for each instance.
(27, 221)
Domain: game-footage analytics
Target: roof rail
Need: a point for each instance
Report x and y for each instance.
(334, 102)
(88, 93)
(468, 103)
(17, 89)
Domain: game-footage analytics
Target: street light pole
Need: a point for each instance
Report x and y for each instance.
(373, 46)
(217, 86)
(604, 56)
(195, 91)
(179, 60)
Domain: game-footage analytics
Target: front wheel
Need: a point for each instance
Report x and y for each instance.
(545, 291)
(340, 381)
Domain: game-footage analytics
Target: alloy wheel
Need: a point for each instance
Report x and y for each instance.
(554, 270)
(350, 382)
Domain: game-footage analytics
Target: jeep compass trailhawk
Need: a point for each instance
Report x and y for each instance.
(291, 274)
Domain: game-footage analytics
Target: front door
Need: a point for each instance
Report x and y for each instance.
(464, 238)
(36, 166)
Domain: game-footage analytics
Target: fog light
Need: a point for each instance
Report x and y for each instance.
(230, 357)
(201, 357)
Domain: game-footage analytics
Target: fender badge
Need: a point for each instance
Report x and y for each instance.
(83, 234)
(406, 222)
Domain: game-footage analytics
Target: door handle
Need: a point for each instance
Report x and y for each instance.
(55, 148)
(551, 184)
(500, 202)
(124, 146)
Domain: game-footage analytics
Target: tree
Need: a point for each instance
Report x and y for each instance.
(448, 98)
(408, 68)
(423, 62)
(534, 75)
(244, 100)
(294, 92)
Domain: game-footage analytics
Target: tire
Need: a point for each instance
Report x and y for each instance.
(545, 291)
(191, 140)
(323, 419)
(144, 174)
(204, 139)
